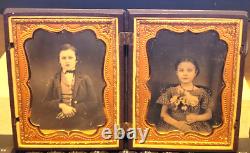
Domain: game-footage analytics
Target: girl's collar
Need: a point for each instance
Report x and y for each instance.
(193, 87)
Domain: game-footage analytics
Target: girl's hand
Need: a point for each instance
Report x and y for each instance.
(191, 118)
(183, 126)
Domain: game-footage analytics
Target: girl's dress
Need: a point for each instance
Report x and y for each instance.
(181, 105)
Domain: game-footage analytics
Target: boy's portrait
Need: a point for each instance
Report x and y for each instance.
(66, 80)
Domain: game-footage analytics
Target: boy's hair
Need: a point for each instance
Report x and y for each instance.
(68, 46)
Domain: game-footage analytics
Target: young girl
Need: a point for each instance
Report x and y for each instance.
(185, 106)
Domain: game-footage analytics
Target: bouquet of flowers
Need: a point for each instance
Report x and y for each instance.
(184, 99)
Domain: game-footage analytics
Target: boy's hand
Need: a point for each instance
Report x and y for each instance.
(67, 110)
(60, 116)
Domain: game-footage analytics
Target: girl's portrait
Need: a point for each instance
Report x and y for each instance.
(185, 106)
(186, 81)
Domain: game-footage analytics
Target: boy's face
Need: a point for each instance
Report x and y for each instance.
(67, 59)
(186, 72)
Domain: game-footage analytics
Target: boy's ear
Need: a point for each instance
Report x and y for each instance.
(196, 72)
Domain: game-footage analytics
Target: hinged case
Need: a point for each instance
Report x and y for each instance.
(126, 74)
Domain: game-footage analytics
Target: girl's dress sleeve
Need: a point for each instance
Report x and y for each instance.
(205, 100)
(165, 97)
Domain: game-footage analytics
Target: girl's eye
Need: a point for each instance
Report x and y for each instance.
(63, 58)
(190, 70)
(180, 70)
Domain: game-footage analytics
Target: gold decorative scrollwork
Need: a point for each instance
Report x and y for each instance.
(22, 28)
(222, 137)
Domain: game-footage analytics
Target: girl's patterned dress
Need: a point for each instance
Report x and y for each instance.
(181, 105)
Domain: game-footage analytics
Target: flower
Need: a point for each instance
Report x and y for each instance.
(174, 99)
(183, 100)
(184, 107)
(191, 99)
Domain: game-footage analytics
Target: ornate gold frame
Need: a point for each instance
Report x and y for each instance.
(21, 28)
(229, 30)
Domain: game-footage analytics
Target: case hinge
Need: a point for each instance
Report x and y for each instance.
(11, 45)
(244, 49)
(126, 38)
(126, 125)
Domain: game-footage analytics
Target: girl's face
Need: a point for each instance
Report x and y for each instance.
(186, 72)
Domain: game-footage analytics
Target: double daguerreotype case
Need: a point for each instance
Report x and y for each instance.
(175, 76)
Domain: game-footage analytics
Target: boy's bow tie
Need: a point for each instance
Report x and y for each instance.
(70, 71)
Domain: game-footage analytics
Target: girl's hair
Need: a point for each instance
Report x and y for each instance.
(188, 60)
(68, 46)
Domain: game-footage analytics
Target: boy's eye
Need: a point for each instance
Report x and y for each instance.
(180, 70)
(64, 58)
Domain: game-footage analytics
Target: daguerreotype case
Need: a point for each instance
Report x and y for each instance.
(161, 80)
(65, 74)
